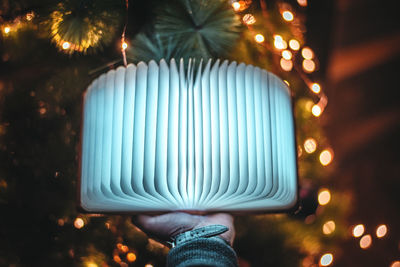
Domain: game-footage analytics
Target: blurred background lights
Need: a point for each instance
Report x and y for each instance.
(286, 65)
(117, 258)
(381, 231)
(7, 30)
(124, 45)
(302, 2)
(287, 15)
(328, 227)
(365, 241)
(395, 264)
(279, 43)
(79, 223)
(249, 19)
(131, 257)
(358, 230)
(294, 44)
(326, 259)
(325, 157)
(307, 53)
(236, 6)
(91, 264)
(308, 65)
(259, 38)
(316, 88)
(316, 110)
(324, 197)
(310, 145)
(286, 54)
(66, 45)
(148, 265)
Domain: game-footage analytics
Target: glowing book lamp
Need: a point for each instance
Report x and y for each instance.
(195, 137)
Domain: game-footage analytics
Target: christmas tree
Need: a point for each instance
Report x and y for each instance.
(52, 50)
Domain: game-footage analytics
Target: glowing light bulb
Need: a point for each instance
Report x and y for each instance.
(324, 197)
(7, 30)
(29, 16)
(307, 53)
(236, 6)
(249, 19)
(294, 44)
(131, 257)
(259, 38)
(310, 145)
(308, 65)
(124, 45)
(286, 65)
(365, 241)
(326, 259)
(381, 231)
(66, 45)
(316, 110)
(286, 54)
(79, 223)
(328, 227)
(358, 230)
(325, 157)
(316, 88)
(287, 15)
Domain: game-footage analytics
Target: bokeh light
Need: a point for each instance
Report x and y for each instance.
(328, 227)
(294, 44)
(236, 6)
(7, 30)
(316, 88)
(124, 45)
(326, 259)
(358, 230)
(66, 45)
(365, 241)
(148, 265)
(286, 65)
(307, 53)
(324, 197)
(316, 110)
(79, 223)
(286, 54)
(381, 231)
(310, 145)
(259, 38)
(325, 157)
(279, 43)
(249, 19)
(131, 257)
(287, 15)
(308, 65)
(302, 2)
(395, 264)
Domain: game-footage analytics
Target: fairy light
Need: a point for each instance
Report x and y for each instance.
(294, 44)
(324, 197)
(287, 15)
(316, 110)
(66, 45)
(365, 241)
(307, 53)
(286, 65)
(308, 65)
(286, 54)
(279, 43)
(259, 38)
(124, 45)
(131, 257)
(381, 231)
(316, 88)
(7, 30)
(79, 223)
(328, 227)
(310, 145)
(325, 157)
(326, 259)
(249, 19)
(358, 230)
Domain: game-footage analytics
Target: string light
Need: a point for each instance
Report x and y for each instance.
(286, 65)
(358, 230)
(381, 231)
(310, 145)
(395, 264)
(326, 259)
(131, 257)
(365, 241)
(316, 88)
(324, 197)
(308, 65)
(124, 45)
(249, 19)
(325, 157)
(287, 15)
(328, 227)
(307, 53)
(79, 223)
(7, 30)
(294, 44)
(66, 45)
(259, 38)
(316, 110)
(279, 43)
(286, 54)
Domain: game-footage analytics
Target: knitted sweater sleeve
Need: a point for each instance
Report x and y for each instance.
(212, 251)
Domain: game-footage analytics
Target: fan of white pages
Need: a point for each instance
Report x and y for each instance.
(194, 137)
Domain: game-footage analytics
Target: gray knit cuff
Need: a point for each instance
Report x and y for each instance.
(213, 251)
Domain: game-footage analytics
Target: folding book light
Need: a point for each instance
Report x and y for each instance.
(163, 137)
